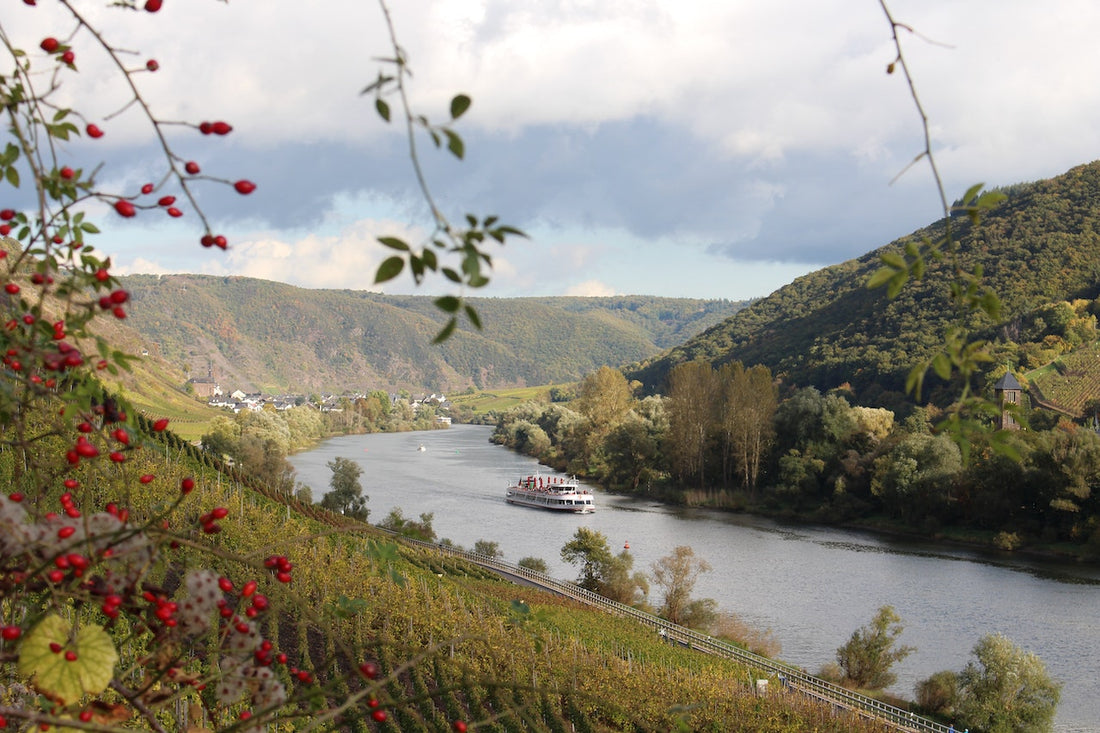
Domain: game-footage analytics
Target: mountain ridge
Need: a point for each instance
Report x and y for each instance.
(270, 336)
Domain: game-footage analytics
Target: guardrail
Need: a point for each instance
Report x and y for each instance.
(787, 675)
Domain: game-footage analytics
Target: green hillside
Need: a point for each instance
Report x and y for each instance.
(827, 329)
(270, 336)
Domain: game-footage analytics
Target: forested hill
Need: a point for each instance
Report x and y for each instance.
(826, 329)
(270, 336)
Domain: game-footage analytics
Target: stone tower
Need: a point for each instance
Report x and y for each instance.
(1007, 391)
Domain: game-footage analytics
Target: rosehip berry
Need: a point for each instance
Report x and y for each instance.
(55, 647)
(187, 485)
(221, 241)
(207, 240)
(190, 166)
(146, 478)
(166, 200)
(249, 587)
(7, 214)
(67, 173)
(68, 57)
(459, 726)
(153, 6)
(369, 670)
(379, 715)
(221, 128)
(160, 424)
(244, 187)
(70, 656)
(118, 297)
(10, 633)
(93, 131)
(125, 208)
(11, 289)
(102, 275)
(118, 457)
(49, 44)
(147, 189)
(205, 128)
(71, 483)
(119, 311)
(225, 584)
(152, 65)
(174, 212)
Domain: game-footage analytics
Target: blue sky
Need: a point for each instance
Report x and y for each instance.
(696, 148)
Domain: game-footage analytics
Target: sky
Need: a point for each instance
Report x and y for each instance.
(681, 148)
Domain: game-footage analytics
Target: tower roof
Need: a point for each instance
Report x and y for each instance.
(1008, 381)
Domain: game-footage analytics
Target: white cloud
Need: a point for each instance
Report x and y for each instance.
(591, 288)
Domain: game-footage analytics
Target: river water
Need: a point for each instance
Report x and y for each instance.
(812, 586)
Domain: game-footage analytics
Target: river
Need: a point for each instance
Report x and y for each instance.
(812, 586)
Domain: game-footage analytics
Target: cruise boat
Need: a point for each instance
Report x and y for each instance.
(557, 493)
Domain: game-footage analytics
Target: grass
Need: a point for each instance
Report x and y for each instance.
(499, 400)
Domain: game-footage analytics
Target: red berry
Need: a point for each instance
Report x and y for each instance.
(70, 655)
(71, 483)
(207, 240)
(190, 166)
(125, 208)
(249, 587)
(221, 241)
(369, 670)
(102, 275)
(7, 214)
(174, 212)
(10, 633)
(160, 424)
(12, 289)
(379, 715)
(244, 187)
(146, 478)
(153, 6)
(166, 200)
(152, 65)
(147, 189)
(119, 311)
(93, 131)
(459, 726)
(117, 457)
(67, 173)
(68, 57)
(118, 297)
(49, 44)
(187, 485)
(221, 128)
(205, 128)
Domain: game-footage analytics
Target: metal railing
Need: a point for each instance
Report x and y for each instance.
(787, 675)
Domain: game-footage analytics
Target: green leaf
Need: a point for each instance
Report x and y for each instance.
(394, 243)
(472, 314)
(450, 274)
(445, 334)
(880, 277)
(971, 193)
(89, 227)
(389, 269)
(459, 105)
(941, 365)
(454, 143)
(448, 303)
(58, 677)
(383, 109)
(893, 260)
(13, 177)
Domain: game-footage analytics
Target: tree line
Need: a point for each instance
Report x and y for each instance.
(737, 438)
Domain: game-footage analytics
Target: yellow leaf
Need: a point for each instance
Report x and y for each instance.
(65, 669)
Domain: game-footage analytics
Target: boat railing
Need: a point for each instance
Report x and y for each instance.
(788, 677)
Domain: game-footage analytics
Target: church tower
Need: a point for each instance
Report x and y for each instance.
(1007, 391)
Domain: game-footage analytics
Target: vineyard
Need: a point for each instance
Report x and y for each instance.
(1070, 382)
(448, 641)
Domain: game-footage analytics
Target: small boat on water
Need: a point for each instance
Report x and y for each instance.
(557, 493)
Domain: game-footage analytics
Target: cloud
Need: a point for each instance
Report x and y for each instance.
(591, 289)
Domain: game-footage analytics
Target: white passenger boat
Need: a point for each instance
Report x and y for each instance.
(558, 493)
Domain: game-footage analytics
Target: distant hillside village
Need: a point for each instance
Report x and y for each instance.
(239, 400)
